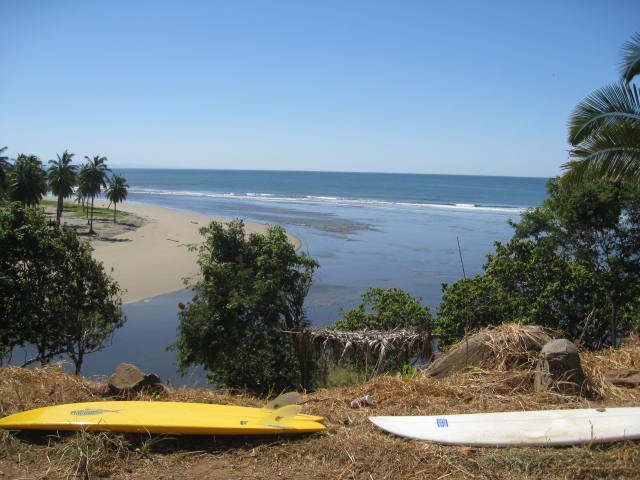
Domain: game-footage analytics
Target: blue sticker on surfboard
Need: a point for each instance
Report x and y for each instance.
(442, 422)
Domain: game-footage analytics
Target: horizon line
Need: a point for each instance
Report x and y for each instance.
(329, 171)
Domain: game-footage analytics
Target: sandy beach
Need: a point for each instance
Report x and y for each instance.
(149, 256)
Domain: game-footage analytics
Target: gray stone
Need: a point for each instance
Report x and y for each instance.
(127, 378)
(559, 368)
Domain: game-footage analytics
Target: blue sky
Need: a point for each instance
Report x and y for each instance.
(478, 87)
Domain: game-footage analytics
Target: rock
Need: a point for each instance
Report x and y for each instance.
(559, 368)
(501, 348)
(625, 377)
(127, 378)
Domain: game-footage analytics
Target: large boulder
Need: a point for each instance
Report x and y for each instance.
(559, 368)
(501, 348)
(127, 379)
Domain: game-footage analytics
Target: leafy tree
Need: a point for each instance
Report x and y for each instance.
(4, 171)
(604, 129)
(573, 264)
(252, 289)
(381, 309)
(525, 282)
(62, 178)
(386, 309)
(117, 190)
(54, 295)
(93, 305)
(93, 178)
(27, 182)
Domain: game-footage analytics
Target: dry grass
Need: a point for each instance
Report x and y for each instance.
(351, 448)
(22, 389)
(597, 363)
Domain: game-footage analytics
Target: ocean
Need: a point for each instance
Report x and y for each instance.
(365, 229)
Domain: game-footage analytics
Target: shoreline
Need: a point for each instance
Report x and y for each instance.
(152, 258)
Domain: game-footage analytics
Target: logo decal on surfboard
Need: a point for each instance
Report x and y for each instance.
(88, 411)
(442, 422)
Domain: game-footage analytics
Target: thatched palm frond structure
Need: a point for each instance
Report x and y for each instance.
(376, 349)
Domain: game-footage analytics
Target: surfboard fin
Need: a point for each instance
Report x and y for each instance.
(282, 417)
(289, 398)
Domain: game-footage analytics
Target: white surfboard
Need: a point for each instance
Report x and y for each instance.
(543, 427)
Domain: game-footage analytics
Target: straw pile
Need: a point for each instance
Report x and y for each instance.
(501, 348)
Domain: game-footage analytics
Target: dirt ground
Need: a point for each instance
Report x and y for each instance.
(350, 448)
(104, 227)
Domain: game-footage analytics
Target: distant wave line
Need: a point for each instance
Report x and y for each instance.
(319, 199)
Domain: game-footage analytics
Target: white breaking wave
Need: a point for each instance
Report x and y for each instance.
(319, 200)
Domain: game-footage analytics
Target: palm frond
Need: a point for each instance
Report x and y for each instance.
(612, 153)
(630, 64)
(117, 189)
(610, 105)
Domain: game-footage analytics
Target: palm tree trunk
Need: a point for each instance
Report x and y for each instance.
(91, 221)
(59, 209)
(114, 212)
(85, 207)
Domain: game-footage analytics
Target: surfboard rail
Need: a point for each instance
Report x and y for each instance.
(165, 417)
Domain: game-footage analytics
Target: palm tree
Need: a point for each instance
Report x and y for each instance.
(27, 182)
(93, 177)
(81, 191)
(604, 129)
(117, 190)
(630, 64)
(62, 178)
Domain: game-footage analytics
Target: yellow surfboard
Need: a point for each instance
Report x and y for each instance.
(165, 417)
